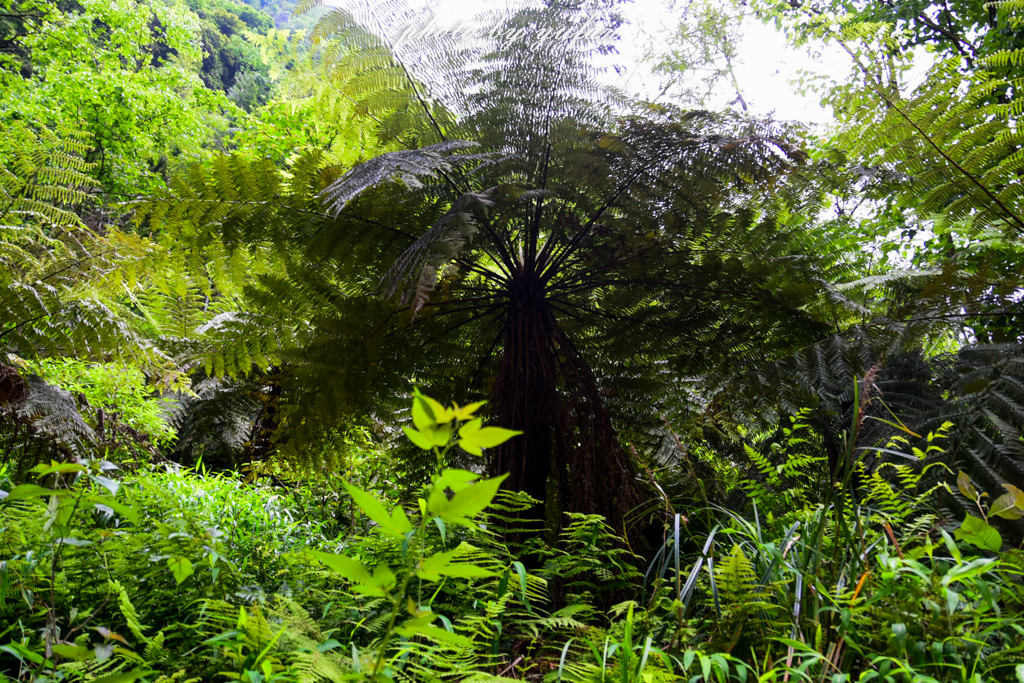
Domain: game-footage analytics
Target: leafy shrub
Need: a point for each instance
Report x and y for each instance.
(203, 576)
(115, 396)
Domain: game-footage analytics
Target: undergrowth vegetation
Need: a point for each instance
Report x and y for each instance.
(733, 399)
(162, 573)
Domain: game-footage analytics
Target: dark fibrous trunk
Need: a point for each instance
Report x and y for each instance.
(569, 449)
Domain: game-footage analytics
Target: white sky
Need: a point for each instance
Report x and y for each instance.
(764, 70)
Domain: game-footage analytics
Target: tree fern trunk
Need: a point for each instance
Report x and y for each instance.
(525, 395)
(597, 475)
(545, 390)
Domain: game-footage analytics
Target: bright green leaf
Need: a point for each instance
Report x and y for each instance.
(396, 524)
(419, 438)
(466, 433)
(470, 447)
(63, 468)
(470, 428)
(979, 533)
(422, 415)
(383, 577)
(466, 412)
(1005, 506)
(456, 480)
(963, 482)
(75, 652)
(952, 600)
(399, 520)
(434, 633)
(125, 511)
(466, 571)
(31, 491)
(437, 412)
(1017, 493)
(474, 437)
(489, 437)
(431, 567)
(438, 561)
(467, 503)
(181, 568)
(346, 566)
(441, 435)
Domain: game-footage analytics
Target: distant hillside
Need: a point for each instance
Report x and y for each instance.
(281, 13)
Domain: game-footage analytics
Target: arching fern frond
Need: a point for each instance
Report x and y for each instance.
(406, 167)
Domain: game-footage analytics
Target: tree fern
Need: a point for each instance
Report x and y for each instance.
(583, 256)
(61, 280)
(972, 395)
(952, 141)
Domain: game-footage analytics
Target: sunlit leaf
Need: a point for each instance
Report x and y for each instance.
(75, 652)
(24, 491)
(63, 467)
(346, 566)
(467, 503)
(473, 436)
(441, 435)
(1007, 507)
(419, 438)
(397, 524)
(181, 568)
(457, 480)
(466, 571)
(410, 630)
(464, 413)
(435, 409)
(979, 533)
(963, 482)
(123, 510)
(422, 415)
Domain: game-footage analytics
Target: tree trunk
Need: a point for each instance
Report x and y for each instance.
(550, 394)
(525, 397)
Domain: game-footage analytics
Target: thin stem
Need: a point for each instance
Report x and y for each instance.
(880, 91)
(397, 604)
(485, 312)
(502, 279)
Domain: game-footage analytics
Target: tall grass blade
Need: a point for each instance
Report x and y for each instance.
(561, 660)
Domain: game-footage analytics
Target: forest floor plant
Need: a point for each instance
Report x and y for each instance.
(170, 576)
(870, 584)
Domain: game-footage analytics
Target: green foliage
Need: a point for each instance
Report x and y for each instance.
(118, 391)
(251, 648)
(40, 172)
(697, 68)
(491, 235)
(953, 139)
(317, 222)
(245, 579)
(227, 59)
(85, 67)
(53, 266)
(784, 486)
(941, 153)
(590, 562)
(436, 427)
